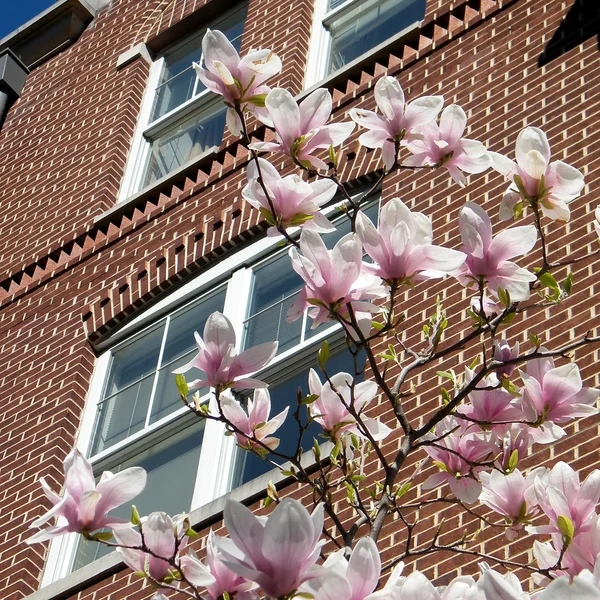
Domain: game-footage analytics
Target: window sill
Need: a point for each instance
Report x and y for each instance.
(152, 191)
(201, 518)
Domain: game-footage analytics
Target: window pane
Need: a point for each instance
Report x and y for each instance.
(171, 465)
(180, 347)
(369, 24)
(122, 415)
(134, 361)
(183, 324)
(178, 79)
(174, 92)
(185, 141)
(284, 394)
(275, 288)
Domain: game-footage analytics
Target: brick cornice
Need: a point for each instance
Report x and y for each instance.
(436, 31)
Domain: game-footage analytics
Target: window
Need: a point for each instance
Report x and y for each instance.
(134, 415)
(345, 30)
(180, 119)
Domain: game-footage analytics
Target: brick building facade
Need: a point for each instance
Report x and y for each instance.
(119, 215)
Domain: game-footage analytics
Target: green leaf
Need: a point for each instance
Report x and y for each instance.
(404, 489)
(191, 533)
(335, 452)
(441, 466)
(333, 157)
(548, 280)
(316, 449)
(426, 329)
(182, 386)
(566, 528)
(568, 284)
(504, 296)
(518, 210)
(135, 517)
(300, 219)
(445, 375)
(102, 536)
(323, 355)
(310, 399)
(445, 395)
(267, 215)
(268, 502)
(513, 461)
(377, 325)
(519, 183)
(258, 100)
(510, 387)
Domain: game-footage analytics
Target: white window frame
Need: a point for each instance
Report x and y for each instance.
(320, 42)
(214, 477)
(145, 131)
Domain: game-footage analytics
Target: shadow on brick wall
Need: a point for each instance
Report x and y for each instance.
(581, 23)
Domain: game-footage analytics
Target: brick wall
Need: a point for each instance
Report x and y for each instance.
(66, 282)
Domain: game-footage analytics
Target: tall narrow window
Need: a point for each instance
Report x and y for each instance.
(180, 119)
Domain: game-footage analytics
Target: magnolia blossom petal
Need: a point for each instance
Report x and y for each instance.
(120, 488)
(532, 139)
(453, 122)
(315, 110)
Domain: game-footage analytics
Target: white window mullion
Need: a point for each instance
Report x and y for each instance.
(217, 457)
(319, 44)
(139, 147)
(157, 371)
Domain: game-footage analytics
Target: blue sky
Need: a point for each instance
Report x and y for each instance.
(14, 13)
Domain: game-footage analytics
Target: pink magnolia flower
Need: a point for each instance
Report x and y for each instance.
(216, 357)
(278, 553)
(534, 179)
(161, 560)
(511, 496)
(354, 579)
(494, 586)
(333, 278)
(553, 396)
(256, 424)
(302, 129)
(83, 506)
(330, 412)
(561, 494)
(490, 308)
(295, 202)
(580, 587)
(399, 120)
(582, 553)
(487, 258)
(239, 80)
(503, 352)
(489, 406)
(597, 221)
(225, 579)
(512, 437)
(443, 146)
(454, 454)
(402, 248)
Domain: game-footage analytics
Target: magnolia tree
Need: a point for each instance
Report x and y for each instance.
(489, 416)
